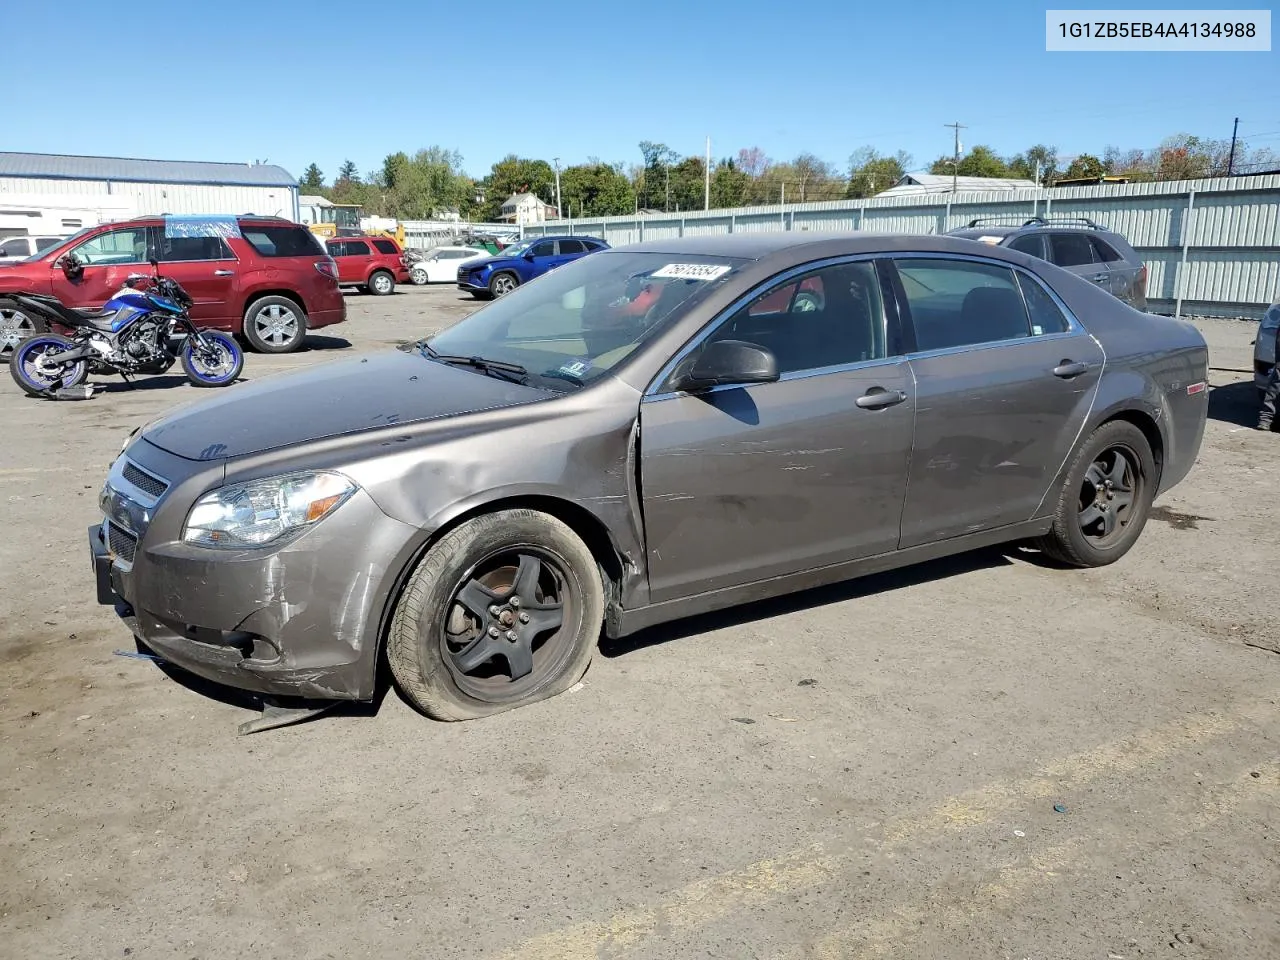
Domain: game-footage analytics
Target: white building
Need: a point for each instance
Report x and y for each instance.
(153, 186)
(525, 208)
(920, 183)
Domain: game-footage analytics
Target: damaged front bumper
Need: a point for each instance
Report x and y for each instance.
(300, 620)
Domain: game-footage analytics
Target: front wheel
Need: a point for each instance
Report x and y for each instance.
(418, 276)
(500, 284)
(215, 364)
(503, 611)
(1106, 498)
(31, 370)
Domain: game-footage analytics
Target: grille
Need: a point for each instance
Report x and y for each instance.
(144, 481)
(122, 543)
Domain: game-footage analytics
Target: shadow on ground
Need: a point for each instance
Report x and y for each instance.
(1235, 403)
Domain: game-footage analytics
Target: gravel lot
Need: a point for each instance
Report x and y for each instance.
(874, 769)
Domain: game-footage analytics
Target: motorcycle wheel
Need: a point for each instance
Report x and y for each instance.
(218, 366)
(36, 379)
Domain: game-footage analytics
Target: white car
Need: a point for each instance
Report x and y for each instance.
(440, 265)
(19, 248)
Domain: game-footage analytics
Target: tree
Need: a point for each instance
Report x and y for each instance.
(347, 172)
(1023, 166)
(752, 162)
(596, 189)
(729, 185)
(1084, 167)
(655, 180)
(981, 161)
(513, 174)
(312, 180)
(870, 173)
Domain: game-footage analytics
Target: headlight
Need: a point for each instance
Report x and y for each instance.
(263, 511)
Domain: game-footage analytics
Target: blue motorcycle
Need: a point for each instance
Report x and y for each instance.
(142, 329)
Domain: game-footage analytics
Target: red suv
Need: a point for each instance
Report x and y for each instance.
(271, 283)
(374, 264)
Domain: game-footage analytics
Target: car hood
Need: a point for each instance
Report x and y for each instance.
(491, 261)
(347, 396)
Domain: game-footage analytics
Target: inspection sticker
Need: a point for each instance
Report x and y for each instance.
(576, 368)
(691, 271)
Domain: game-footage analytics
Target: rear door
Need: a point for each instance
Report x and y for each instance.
(352, 257)
(1004, 378)
(568, 250)
(206, 268)
(1071, 250)
(109, 258)
(1122, 275)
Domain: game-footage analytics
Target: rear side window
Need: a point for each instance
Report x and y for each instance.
(571, 246)
(175, 249)
(1031, 243)
(1070, 249)
(385, 246)
(1045, 315)
(591, 245)
(958, 303)
(290, 241)
(1104, 251)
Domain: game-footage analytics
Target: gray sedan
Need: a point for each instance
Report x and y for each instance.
(648, 433)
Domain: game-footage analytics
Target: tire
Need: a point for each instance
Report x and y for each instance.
(418, 276)
(275, 325)
(381, 283)
(22, 365)
(16, 325)
(432, 630)
(202, 373)
(502, 283)
(1079, 535)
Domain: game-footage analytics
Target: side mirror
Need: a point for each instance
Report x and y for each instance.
(529, 256)
(729, 363)
(71, 265)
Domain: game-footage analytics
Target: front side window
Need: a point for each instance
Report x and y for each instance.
(115, 246)
(1070, 249)
(547, 248)
(958, 303)
(580, 320)
(830, 317)
(17, 247)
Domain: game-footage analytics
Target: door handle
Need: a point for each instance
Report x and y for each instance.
(1070, 368)
(224, 273)
(878, 397)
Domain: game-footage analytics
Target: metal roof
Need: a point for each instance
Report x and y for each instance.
(51, 166)
(941, 183)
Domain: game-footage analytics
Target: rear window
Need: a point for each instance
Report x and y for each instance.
(291, 241)
(385, 246)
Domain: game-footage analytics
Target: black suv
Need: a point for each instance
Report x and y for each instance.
(1073, 243)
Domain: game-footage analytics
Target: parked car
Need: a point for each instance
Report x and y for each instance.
(270, 280)
(500, 274)
(1264, 345)
(441, 265)
(560, 463)
(20, 248)
(1076, 244)
(373, 264)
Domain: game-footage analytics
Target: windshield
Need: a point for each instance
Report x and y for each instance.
(573, 325)
(516, 249)
(57, 247)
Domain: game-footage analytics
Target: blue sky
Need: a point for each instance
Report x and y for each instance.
(295, 82)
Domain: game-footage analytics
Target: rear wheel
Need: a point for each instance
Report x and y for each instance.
(382, 283)
(31, 370)
(501, 612)
(16, 326)
(1106, 498)
(275, 325)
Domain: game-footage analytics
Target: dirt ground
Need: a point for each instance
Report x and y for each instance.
(977, 758)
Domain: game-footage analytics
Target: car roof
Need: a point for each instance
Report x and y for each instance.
(761, 246)
(559, 236)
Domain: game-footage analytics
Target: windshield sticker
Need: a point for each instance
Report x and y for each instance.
(691, 271)
(576, 368)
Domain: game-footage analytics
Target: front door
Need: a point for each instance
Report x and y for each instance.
(206, 269)
(1004, 380)
(109, 258)
(543, 257)
(746, 483)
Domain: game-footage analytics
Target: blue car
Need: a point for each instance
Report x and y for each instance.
(500, 274)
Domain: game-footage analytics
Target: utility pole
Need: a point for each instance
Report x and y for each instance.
(706, 203)
(666, 169)
(955, 163)
(556, 161)
(1231, 159)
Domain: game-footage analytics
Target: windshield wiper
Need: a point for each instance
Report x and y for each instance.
(498, 368)
(566, 377)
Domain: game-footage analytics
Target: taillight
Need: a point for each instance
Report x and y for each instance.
(328, 267)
